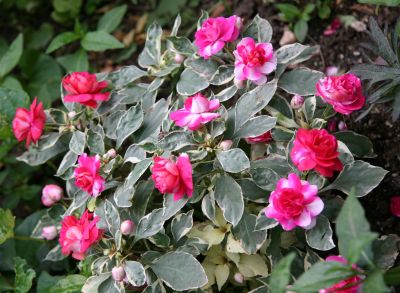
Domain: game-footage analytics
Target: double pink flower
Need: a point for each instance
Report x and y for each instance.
(83, 88)
(87, 175)
(29, 124)
(253, 61)
(294, 202)
(196, 112)
(173, 177)
(215, 32)
(78, 235)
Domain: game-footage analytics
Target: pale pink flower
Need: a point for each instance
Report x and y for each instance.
(294, 202)
(196, 112)
(118, 273)
(87, 175)
(253, 61)
(215, 32)
(127, 227)
(49, 232)
(296, 102)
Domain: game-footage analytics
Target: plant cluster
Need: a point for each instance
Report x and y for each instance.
(196, 173)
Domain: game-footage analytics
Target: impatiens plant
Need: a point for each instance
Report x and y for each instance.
(200, 176)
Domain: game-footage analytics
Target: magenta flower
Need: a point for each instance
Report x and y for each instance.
(333, 27)
(253, 61)
(83, 88)
(294, 202)
(343, 92)
(197, 111)
(87, 175)
(173, 177)
(395, 206)
(263, 138)
(350, 285)
(215, 32)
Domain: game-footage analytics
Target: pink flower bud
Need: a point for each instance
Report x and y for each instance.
(226, 144)
(118, 273)
(331, 70)
(342, 126)
(49, 232)
(52, 192)
(127, 227)
(111, 153)
(179, 58)
(395, 206)
(296, 102)
(71, 114)
(239, 278)
(238, 83)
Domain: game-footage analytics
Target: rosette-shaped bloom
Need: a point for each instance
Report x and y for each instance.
(78, 235)
(350, 285)
(294, 202)
(316, 149)
(343, 92)
(87, 175)
(83, 88)
(196, 112)
(263, 138)
(173, 177)
(395, 206)
(215, 32)
(29, 124)
(253, 61)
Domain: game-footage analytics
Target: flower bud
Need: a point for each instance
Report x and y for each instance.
(71, 114)
(331, 70)
(239, 278)
(179, 58)
(296, 102)
(238, 83)
(226, 144)
(342, 126)
(49, 232)
(111, 153)
(332, 125)
(52, 192)
(118, 273)
(395, 205)
(127, 227)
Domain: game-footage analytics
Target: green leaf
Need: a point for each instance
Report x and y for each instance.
(233, 160)
(353, 232)
(135, 273)
(62, 40)
(320, 236)
(173, 268)
(300, 81)
(190, 83)
(7, 222)
(181, 225)
(10, 100)
(300, 30)
(35, 157)
(259, 29)
(112, 217)
(228, 195)
(126, 75)
(322, 275)
(265, 178)
(384, 48)
(290, 11)
(92, 283)
(288, 53)
(46, 282)
(309, 106)
(176, 140)
(77, 61)
(78, 142)
(129, 123)
(182, 45)
(95, 142)
(150, 56)
(23, 275)
(245, 232)
(100, 41)
(385, 251)
(359, 175)
(280, 275)
(374, 283)
(150, 224)
(392, 276)
(67, 162)
(255, 126)
(358, 144)
(10, 59)
(111, 20)
(69, 284)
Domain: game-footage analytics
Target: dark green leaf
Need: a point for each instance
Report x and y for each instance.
(62, 40)
(11, 57)
(100, 41)
(111, 20)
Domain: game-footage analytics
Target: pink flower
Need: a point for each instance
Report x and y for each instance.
(333, 27)
(118, 273)
(215, 32)
(253, 61)
(49, 232)
(173, 177)
(87, 175)
(83, 88)
(294, 202)
(331, 70)
(197, 111)
(350, 285)
(127, 227)
(51, 194)
(263, 138)
(77, 235)
(316, 149)
(395, 206)
(29, 124)
(296, 102)
(343, 92)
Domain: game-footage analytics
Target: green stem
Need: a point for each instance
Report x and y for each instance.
(27, 238)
